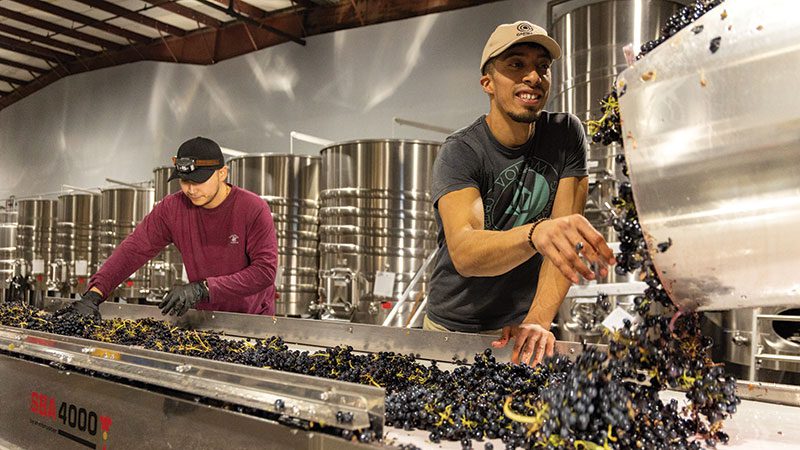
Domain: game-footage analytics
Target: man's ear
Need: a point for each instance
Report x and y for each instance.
(487, 84)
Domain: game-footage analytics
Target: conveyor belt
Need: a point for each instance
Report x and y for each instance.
(158, 399)
(325, 333)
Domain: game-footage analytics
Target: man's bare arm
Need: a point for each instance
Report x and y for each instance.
(553, 286)
(479, 252)
(475, 251)
(532, 338)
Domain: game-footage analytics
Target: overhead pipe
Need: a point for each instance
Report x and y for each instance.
(294, 135)
(122, 183)
(232, 152)
(75, 188)
(423, 126)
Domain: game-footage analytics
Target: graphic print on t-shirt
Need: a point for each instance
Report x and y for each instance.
(519, 194)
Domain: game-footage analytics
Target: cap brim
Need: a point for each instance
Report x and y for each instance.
(196, 176)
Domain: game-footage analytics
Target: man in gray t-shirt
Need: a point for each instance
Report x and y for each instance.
(508, 192)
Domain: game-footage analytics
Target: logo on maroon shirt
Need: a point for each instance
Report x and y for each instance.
(233, 239)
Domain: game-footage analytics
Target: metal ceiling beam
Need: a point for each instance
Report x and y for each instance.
(243, 7)
(357, 13)
(252, 19)
(134, 16)
(44, 40)
(19, 17)
(308, 4)
(189, 13)
(86, 20)
(11, 80)
(23, 66)
(229, 41)
(37, 51)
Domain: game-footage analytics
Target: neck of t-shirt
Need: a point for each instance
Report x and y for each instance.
(507, 149)
(509, 133)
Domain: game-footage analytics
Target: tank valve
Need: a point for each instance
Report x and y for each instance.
(740, 339)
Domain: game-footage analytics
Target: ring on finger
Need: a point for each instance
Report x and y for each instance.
(579, 247)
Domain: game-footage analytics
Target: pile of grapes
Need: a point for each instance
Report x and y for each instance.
(666, 349)
(681, 20)
(601, 400)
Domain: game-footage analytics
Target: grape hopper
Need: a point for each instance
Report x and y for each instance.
(344, 385)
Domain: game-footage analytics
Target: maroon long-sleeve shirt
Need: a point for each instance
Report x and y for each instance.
(232, 246)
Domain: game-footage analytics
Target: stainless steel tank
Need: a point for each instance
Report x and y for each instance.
(121, 209)
(76, 244)
(712, 141)
(591, 35)
(290, 185)
(763, 343)
(36, 219)
(8, 247)
(162, 186)
(376, 215)
(166, 269)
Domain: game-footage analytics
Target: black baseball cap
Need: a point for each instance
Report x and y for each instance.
(197, 160)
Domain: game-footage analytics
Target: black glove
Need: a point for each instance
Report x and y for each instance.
(87, 306)
(181, 298)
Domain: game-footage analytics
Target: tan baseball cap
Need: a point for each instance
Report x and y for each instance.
(508, 34)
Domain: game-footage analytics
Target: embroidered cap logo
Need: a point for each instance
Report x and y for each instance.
(524, 29)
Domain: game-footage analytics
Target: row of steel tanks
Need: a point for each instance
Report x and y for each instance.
(8, 247)
(54, 245)
(353, 226)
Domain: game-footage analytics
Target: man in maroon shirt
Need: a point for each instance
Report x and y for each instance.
(225, 235)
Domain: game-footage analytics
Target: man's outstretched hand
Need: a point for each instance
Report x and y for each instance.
(530, 340)
(87, 306)
(564, 240)
(181, 298)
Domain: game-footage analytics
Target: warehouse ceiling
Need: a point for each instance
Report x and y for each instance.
(42, 41)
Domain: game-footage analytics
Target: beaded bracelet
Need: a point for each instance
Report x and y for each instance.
(530, 233)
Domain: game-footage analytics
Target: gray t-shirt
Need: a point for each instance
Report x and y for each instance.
(517, 186)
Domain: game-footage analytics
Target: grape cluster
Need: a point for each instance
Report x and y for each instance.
(608, 128)
(611, 400)
(472, 402)
(679, 21)
(664, 350)
(670, 352)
